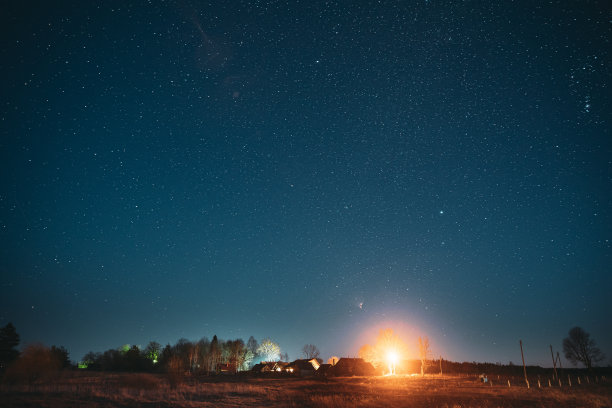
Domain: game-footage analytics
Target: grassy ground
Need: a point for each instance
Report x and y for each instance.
(147, 390)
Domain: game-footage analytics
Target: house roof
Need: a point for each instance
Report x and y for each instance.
(226, 366)
(269, 366)
(302, 364)
(353, 366)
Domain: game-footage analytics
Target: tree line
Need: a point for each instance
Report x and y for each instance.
(197, 357)
(211, 356)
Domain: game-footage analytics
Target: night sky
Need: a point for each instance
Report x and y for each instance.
(307, 171)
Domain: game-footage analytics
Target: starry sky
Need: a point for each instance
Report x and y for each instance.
(307, 171)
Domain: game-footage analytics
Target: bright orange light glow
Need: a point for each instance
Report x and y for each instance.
(387, 353)
(392, 359)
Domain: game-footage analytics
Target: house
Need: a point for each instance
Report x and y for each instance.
(269, 367)
(346, 367)
(226, 368)
(303, 367)
(278, 366)
(258, 368)
(324, 369)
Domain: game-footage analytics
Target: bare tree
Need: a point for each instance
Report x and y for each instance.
(310, 351)
(204, 357)
(423, 353)
(579, 347)
(237, 351)
(194, 354)
(269, 350)
(252, 345)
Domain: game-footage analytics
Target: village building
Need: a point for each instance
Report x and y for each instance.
(269, 367)
(324, 369)
(346, 367)
(226, 368)
(303, 367)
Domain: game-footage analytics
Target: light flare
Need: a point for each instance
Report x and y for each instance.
(392, 360)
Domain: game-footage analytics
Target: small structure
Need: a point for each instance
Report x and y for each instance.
(269, 367)
(303, 367)
(346, 367)
(324, 370)
(257, 368)
(278, 366)
(227, 368)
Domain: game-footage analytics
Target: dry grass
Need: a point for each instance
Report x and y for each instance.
(147, 390)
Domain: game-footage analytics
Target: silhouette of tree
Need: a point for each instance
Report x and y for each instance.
(310, 351)
(175, 370)
(251, 346)
(423, 353)
(61, 355)
(91, 361)
(135, 360)
(166, 355)
(203, 348)
(215, 354)
(236, 350)
(35, 363)
(9, 340)
(579, 347)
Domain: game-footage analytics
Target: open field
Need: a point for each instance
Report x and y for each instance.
(148, 390)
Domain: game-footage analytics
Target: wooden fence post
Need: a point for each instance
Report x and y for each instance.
(554, 363)
(524, 369)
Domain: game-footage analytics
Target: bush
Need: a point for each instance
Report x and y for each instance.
(176, 371)
(36, 363)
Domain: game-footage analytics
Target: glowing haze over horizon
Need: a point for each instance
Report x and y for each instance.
(311, 172)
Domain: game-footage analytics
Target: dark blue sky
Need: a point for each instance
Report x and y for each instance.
(307, 171)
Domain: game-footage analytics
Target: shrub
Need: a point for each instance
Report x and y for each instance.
(176, 371)
(36, 363)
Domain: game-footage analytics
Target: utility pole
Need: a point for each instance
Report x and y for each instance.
(440, 365)
(554, 363)
(524, 369)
